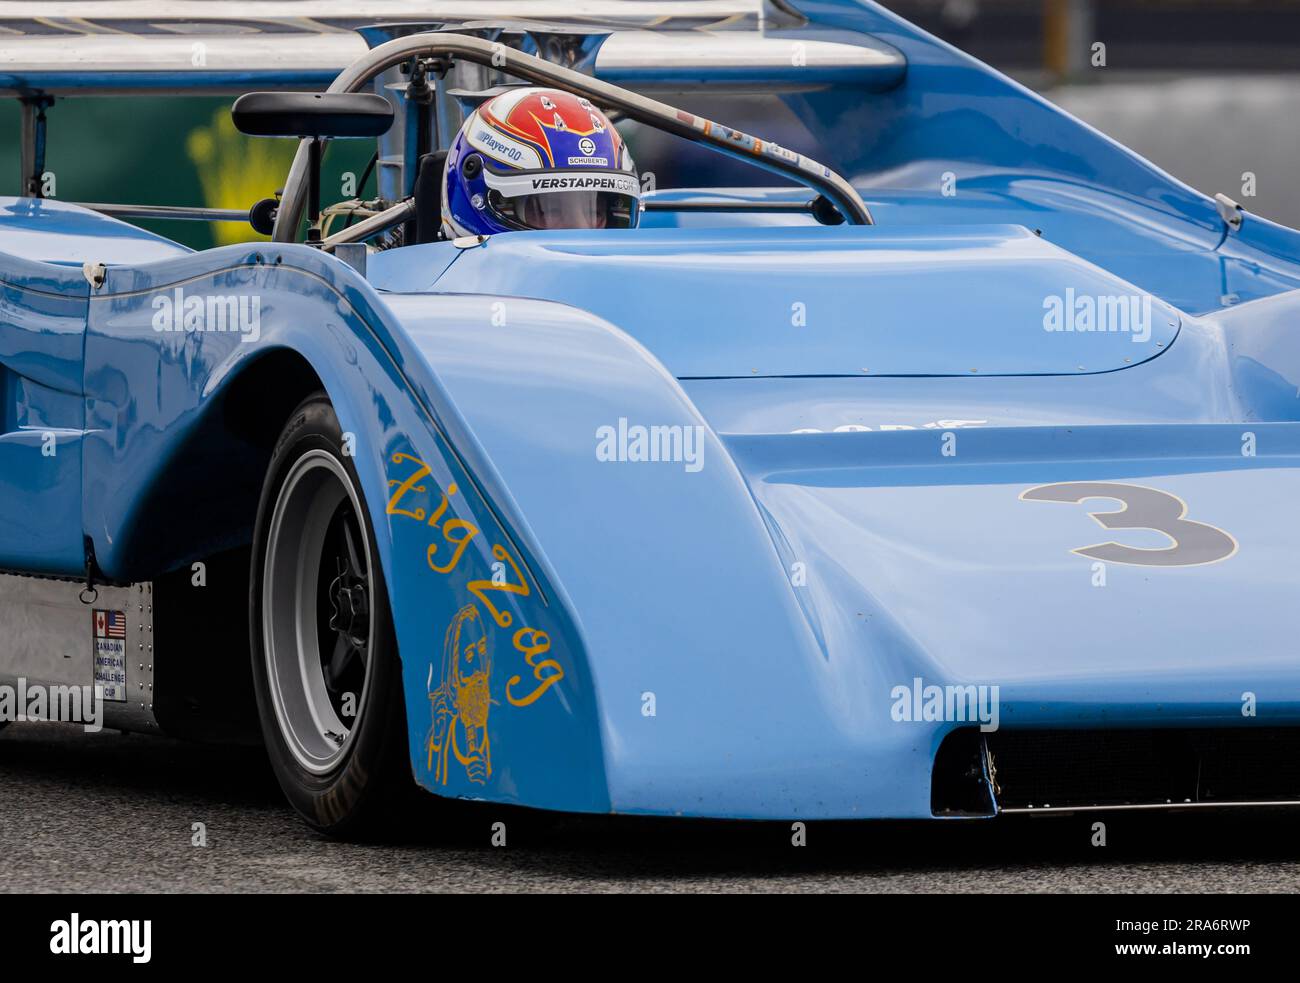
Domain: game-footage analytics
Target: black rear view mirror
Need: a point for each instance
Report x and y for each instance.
(309, 115)
(335, 115)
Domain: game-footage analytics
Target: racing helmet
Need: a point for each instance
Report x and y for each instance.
(532, 158)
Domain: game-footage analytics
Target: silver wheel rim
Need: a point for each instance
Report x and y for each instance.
(316, 604)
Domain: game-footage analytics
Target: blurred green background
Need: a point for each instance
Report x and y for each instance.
(168, 150)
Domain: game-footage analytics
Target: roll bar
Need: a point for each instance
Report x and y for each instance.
(632, 105)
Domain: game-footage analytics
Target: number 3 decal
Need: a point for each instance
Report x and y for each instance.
(1195, 543)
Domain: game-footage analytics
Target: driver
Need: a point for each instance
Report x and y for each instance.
(535, 158)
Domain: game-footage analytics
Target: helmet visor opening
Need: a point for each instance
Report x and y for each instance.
(581, 209)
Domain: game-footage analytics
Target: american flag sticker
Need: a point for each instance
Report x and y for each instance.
(110, 654)
(110, 624)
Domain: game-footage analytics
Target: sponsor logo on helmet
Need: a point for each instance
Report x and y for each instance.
(503, 148)
(485, 139)
(589, 161)
(587, 146)
(580, 182)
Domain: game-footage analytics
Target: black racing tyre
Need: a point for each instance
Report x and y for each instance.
(325, 664)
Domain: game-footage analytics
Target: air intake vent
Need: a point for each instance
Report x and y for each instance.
(1064, 769)
(959, 785)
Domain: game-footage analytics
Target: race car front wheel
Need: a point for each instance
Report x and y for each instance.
(325, 663)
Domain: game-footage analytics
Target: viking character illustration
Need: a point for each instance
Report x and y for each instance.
(462, 700)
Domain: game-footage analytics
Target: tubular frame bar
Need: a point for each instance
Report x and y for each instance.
(196, 213)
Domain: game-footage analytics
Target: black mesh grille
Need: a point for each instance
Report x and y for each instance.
(1072, 768)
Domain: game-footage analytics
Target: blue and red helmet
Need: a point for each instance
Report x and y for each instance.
(538, 159)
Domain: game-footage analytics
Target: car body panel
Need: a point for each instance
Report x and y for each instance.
(820, 302)
(978, 564)
(42, 415)
(49, 231)
(825, 687)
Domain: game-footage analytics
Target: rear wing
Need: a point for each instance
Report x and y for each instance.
(111, 47)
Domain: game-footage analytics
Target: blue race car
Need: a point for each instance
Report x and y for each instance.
(608, 458)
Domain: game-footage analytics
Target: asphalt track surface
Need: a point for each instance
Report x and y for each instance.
(84, 813)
